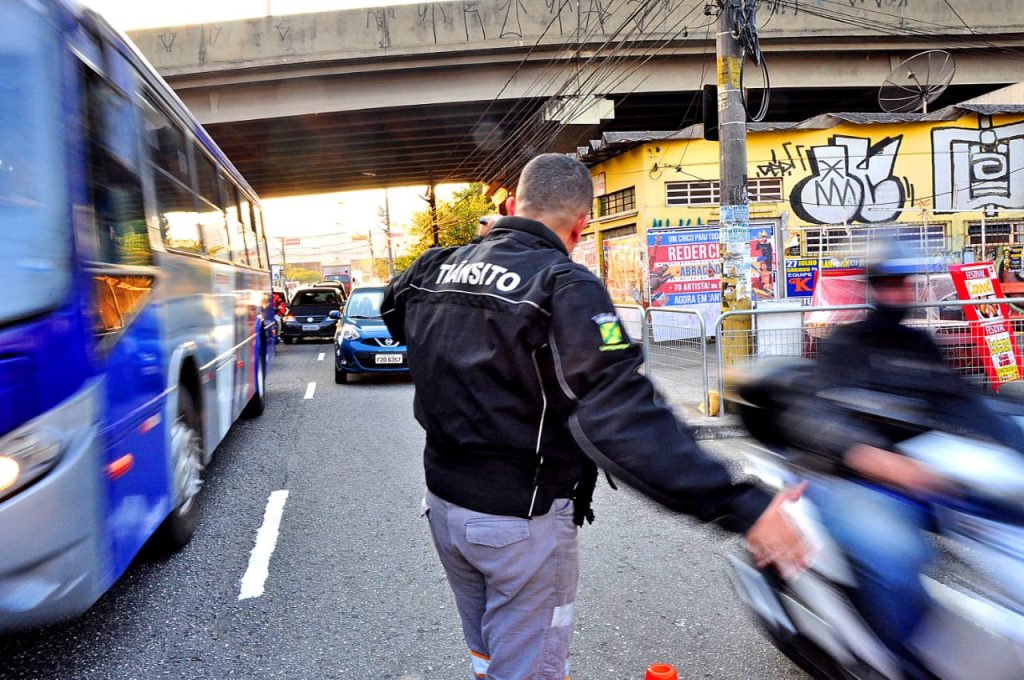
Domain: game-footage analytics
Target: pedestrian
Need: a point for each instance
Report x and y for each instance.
(525, 379)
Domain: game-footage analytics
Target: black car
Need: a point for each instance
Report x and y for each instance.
(309, 313)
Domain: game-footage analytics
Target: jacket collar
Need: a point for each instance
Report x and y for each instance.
(532, 227)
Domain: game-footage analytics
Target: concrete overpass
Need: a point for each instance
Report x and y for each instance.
(455, 91)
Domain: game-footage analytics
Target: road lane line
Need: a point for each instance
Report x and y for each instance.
(266, 540)
(310, 389)
(321, 357)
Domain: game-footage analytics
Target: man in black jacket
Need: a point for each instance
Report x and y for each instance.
(525, 379)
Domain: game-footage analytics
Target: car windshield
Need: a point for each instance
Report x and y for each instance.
(319, 298)
(36, 248)
(365, 304)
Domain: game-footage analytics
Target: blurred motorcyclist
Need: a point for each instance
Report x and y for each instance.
(882, 533)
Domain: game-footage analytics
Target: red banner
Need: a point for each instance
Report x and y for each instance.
(991, 328)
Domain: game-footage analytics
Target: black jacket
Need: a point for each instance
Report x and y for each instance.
(523, 373)
(885, 357)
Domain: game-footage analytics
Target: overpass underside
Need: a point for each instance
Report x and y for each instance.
(468, 90)
(469, 141)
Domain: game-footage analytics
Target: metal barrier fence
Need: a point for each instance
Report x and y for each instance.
(676, 346)
(798, 332)
(632, 318)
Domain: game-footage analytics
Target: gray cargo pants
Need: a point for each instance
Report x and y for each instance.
(514, 582)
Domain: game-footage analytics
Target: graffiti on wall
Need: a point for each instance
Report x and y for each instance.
(978, 168)
(430, 12)
(852, 181)
(783, 161)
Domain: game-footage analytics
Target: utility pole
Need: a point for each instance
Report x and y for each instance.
(432, 200)
(387, 232)
(734, 219)
(369, 244)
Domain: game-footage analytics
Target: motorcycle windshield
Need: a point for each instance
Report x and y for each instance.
(35, 237)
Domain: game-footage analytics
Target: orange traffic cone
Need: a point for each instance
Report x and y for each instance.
(661, 671)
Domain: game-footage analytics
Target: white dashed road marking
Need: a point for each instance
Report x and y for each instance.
(310, 389)
(266, 540)
(320, 357)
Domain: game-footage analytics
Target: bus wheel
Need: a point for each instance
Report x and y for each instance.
(257, 403)
(187, 467)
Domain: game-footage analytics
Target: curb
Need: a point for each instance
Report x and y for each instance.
(727, 430)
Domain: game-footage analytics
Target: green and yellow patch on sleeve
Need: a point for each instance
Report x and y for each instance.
(612, 335)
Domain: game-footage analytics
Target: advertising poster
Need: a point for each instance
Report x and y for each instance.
(585, 253)
(802, 272)
(763, 267)
(685, 270)
(990, 325)
(624, 270)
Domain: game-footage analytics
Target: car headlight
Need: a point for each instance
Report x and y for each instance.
(289, 319)
(349, 332)
(29, 452)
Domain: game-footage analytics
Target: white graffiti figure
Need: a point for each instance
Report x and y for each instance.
(978, 169)
(852, 182)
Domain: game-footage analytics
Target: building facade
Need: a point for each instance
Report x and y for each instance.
(820, 192)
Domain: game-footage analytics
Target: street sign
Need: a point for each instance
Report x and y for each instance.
(291, 241)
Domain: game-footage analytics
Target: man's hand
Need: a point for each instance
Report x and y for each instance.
(774, 539)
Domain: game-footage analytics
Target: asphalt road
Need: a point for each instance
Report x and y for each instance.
(354, 588)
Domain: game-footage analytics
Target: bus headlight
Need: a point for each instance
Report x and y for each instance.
(9, 471)
(28, 453)
(26, 458)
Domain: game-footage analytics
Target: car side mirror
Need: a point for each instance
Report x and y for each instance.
(334, 314)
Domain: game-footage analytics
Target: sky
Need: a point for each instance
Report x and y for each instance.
(325, 223)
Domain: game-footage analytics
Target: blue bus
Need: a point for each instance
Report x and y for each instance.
(136, 325)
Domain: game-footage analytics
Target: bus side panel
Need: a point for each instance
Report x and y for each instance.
(135, 434)
(193, 318)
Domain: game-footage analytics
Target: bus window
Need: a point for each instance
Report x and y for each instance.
(174, 200)
(251, 245)
(207, 185)
(234, 223)
(261, 237)
(167, 143)
(121, 232)
(211, 212)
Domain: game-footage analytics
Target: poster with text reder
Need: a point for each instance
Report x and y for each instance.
(685, 271)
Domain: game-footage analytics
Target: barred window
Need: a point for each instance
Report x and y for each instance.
(692, 193)
(996, 232)
(617, 202)
(854, 241)
(765, 189)
(708, 192)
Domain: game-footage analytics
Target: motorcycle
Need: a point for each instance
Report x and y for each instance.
(974, 625)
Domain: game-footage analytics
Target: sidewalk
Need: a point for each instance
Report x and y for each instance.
(678, 374)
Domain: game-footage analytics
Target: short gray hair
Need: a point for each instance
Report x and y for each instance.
(555, 184)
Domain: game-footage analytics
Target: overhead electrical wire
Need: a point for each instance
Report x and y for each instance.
(597, 56)
(597, 80)
(523, 118)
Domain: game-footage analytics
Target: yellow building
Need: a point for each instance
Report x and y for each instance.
(952, 180)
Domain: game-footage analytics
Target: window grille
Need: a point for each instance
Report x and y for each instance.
(617, 201)
(854, 240)
(999, 232)
(708, 192)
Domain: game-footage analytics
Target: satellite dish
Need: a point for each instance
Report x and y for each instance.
(917, 82)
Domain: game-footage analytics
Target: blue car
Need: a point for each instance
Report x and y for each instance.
(362, 343)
